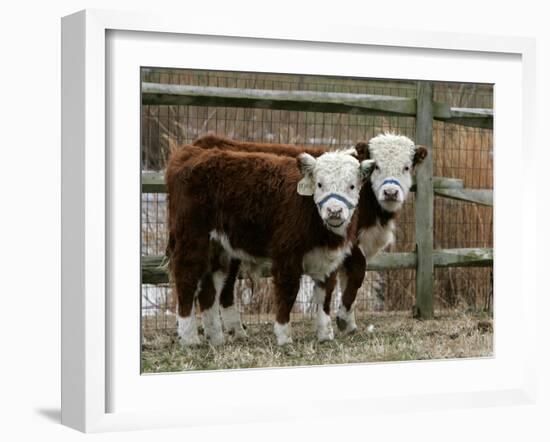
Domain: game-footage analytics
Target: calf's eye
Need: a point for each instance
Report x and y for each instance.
(352, 187)
(319, 185)
(407, 168)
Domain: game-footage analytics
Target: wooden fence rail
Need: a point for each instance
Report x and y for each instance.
(426, 186)
(478, 196)
(312, 101)
(154, 272)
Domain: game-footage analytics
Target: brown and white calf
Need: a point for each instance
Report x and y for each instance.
(380, 200)
(298, 214)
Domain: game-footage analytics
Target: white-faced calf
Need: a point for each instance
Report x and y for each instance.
(296, 213)
(396, 158)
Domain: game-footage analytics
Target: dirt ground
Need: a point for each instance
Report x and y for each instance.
(395, 337)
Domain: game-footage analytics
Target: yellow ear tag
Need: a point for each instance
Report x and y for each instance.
(305, 188)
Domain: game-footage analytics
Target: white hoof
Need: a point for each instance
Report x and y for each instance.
(212, 325)
(190, 342)
(324, 326)
(282, 332)
(216, 340)
(187, 330)
(325, 335)
(346, 320)
(232, 322)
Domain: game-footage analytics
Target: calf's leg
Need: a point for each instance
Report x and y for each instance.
(287, 284)
(230, 314)
(210, 308)
(189, 263)
(209, 295)
(322, 292)
(217, 287)
(351, 277)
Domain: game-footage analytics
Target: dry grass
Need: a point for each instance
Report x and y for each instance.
(396, 337)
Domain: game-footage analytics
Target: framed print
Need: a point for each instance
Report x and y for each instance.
(372, 312)
(236, 136)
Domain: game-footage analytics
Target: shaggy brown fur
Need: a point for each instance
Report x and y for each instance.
(252, 198)
(210, 141)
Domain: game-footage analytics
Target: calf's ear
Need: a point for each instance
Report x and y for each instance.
(366, 167)
(362, 149)
(306, 164)
(420, 152)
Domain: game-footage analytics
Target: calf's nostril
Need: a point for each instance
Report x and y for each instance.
(335, 213)
(390, 193)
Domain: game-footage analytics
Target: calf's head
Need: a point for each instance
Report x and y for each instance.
(334, 180)
(395, 158)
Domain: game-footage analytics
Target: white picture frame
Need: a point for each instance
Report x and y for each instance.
(88, 320)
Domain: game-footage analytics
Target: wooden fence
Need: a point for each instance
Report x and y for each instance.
(424, 259)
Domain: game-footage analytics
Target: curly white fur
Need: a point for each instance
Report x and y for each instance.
(334, 179)
(394, 156)
(375, 238)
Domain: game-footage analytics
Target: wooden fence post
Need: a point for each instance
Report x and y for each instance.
(424, 204)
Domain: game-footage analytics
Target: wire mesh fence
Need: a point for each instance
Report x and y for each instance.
(459, 152)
